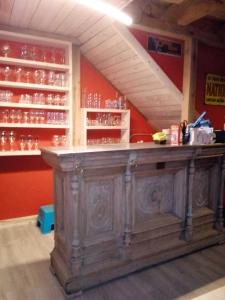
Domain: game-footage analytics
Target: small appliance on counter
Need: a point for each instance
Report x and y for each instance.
(219, 136)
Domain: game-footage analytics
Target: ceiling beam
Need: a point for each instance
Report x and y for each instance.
(174, 1)
(198, 10)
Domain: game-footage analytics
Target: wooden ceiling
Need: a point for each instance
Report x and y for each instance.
(203, 19)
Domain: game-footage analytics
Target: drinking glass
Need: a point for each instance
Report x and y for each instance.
(63, 140)
(63, 100)
(5, 49)
(36, 142)
(43, 76)
(6, 72)
(12, 139)
(5, 116)
(19, 115)
(56, 140)
(52, 57)
(50, 99)
(51, 77)
(37, 76)
(22, 142)
(3, 139)
(29, 142)
(34, 53)
(26, 116)
(24, 54)
(19, 74)
(12, 115)
(28, 76)
(57, 99)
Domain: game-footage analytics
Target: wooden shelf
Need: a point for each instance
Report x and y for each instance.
(32, 63)
(106, 110)
(20, 153)
(38, 106)
(33, 86)
(28, 125)
(124, 128)
(106, 127)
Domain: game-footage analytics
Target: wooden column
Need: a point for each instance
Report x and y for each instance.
(219, 213)
(189, 79)
(189, 216)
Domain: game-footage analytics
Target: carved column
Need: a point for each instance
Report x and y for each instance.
(188, 218)
(219, 210)
(128, 203)
(76, 255)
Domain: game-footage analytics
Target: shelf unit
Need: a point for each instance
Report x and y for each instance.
(124, 127)
(17, 87)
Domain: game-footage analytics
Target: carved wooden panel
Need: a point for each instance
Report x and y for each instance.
(102, 216)
(153, 195)
(201, 187)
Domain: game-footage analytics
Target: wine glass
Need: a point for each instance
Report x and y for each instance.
(25, 54)
(29, 142)
(34, 53)
(55, 140)
(19, 115)
(36, 142)
(5, 116)
(12, 139)
(6, 72)
(12, 115)
(43, 76)
(19, 74)
(5, 49)
(22, 142)
(28, 77)
(3, 139)
(63, 140)
(37, 76)
(51, 77)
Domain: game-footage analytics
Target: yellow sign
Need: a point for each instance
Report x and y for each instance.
(215, 90)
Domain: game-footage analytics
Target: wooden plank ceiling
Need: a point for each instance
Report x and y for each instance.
(109, 46)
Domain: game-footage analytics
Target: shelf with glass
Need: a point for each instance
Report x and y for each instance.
(37, 106)
(28, 125)
(36, 74)
(105, 119)
(33, 64)
(33, 86)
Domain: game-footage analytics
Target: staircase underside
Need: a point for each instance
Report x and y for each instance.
(110, 47)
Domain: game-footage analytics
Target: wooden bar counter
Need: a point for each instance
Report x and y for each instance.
(121, 208)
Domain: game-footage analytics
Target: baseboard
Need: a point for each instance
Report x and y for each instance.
(18, 221)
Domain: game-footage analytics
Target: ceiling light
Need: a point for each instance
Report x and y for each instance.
(107, 9)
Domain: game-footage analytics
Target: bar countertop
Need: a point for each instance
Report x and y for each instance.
(121, 147)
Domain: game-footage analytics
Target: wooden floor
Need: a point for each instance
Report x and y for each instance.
(25, 275)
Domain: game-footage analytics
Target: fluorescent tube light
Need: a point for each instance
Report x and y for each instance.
(107, 9)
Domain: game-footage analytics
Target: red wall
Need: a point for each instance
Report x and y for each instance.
(209, 60)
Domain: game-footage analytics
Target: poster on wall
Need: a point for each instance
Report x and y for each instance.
(164, 46)
(215, 89)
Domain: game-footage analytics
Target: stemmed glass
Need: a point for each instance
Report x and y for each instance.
(25, 52)
(22, 142)
(5, 116)
(36, 142)
(19, 74)
(30, 142)
(6, 72)
(12, 115)
(12, 139)
(3, 139)
(5, 49)
(55, 140)
(34, 53)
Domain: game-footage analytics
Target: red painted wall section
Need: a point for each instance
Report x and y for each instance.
(25, 185)
(210, 60)
(173, 66)
(92, 81)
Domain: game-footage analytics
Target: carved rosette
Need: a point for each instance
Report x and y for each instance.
(100, 207)
(151, 198)
(201, 189)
